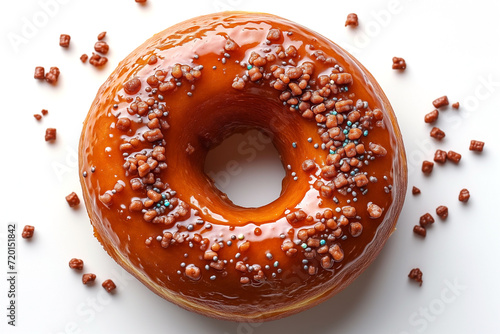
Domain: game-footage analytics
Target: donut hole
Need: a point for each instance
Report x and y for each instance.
(247, 167)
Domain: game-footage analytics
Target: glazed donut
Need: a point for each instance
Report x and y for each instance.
(143, 148)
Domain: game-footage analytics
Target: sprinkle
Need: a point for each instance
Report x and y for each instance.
(178, 272)
(294, 174)
(332, 152)
(294, 145)
(305, 261)
(159, 238)
(365, 133)
(212, 277)
(189, 94)
(84, 174)
(190, 227)
(237, 255)
(269, 256)
(309, 139)
(304, 245)
(229, 242)
(349, 123)
(267, 267)
(92, 169)
(207, 267)
(249, 67)
(167, 204)
(215, 259)
(322, 242)
(276, 263)
(214, 67)
(295, 178)
(183, 265)
(241, 236)
(289, 167)
(279, 270)
(316, 145)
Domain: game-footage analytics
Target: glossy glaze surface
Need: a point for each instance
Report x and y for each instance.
(200, 115)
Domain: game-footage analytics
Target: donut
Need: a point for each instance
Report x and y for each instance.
(157, 214)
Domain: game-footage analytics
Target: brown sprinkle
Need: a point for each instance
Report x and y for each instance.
(476, 145)
(39, 73)
(73, 200)
(64, 40)
(132, 86)
(50, 134)
(84, 58)
(352, 20)
(454, 156)
(97, 60)
(108, 284)
(442, 211)
(37, 117)
(193, 272)
(426, 220)
(427, 167)
(88, 278)
(76, 264)
(44, 112)
(308, 165)
(441, 102)
(415, 191)
(355, 229)
(437, 133)
(101, 36)
(101, 47)
(141, 1)
(464, 195)
(440, 156)
(52, 76)
(420, 230)
(416, 275)
(432, 116)
(398, 63)
(455, 105)
(28, 231)
(374, 211)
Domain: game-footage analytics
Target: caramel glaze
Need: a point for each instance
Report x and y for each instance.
(278, 284)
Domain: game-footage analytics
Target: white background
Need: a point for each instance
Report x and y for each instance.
(451, 47)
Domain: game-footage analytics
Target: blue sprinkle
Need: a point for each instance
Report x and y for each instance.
(349, 123)
(322, 242)
(345, 131)
(167, 203)
(304, 245)
(365, 133)
(332, 152)
(334, 113)
(163, 196)
(249, 67)
(276, 264)
(294, 145)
